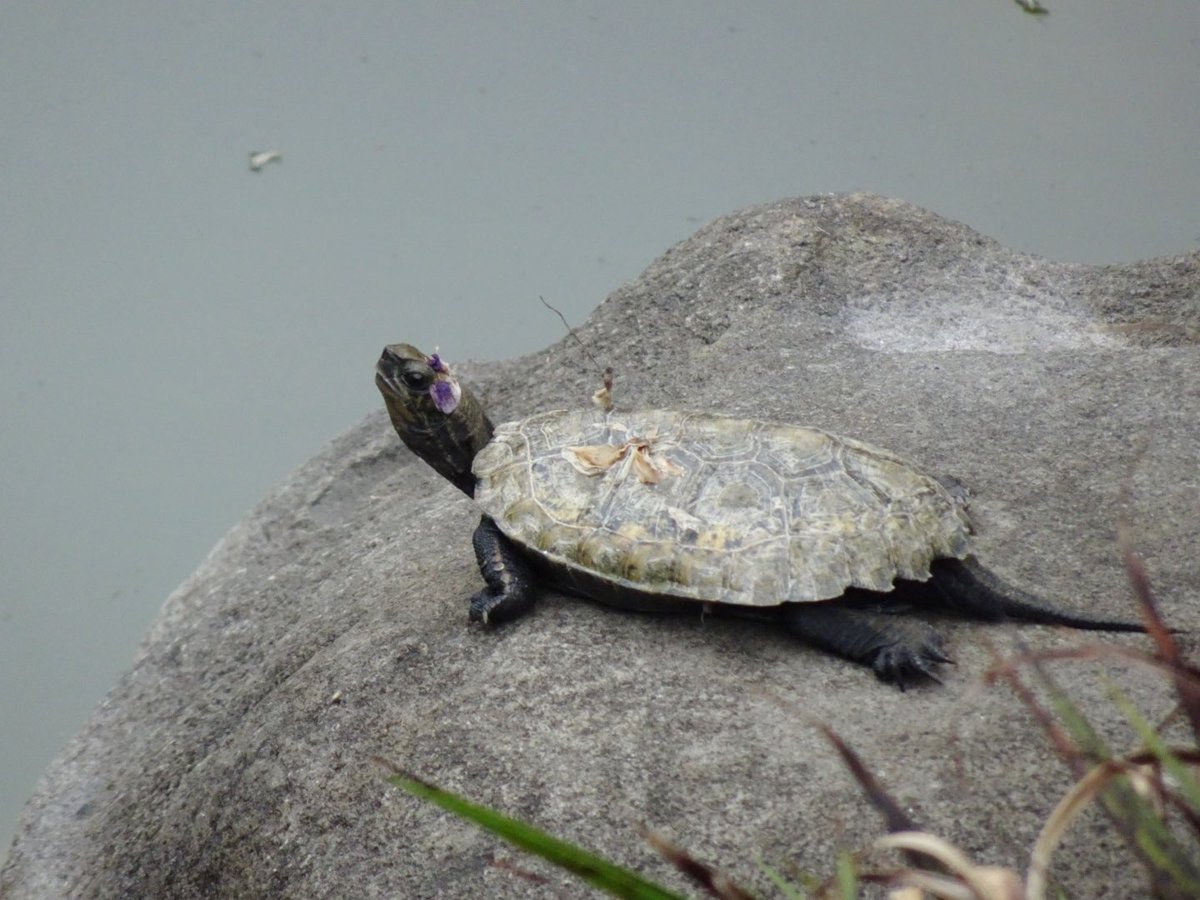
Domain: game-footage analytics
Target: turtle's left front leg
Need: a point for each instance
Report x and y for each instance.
(510, 580)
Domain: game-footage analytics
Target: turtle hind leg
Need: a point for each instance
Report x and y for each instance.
(510, 590)
(899, 651)
(970, 589)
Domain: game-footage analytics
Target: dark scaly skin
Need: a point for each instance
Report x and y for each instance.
(897, 650)
(859, 627)
(449, 444)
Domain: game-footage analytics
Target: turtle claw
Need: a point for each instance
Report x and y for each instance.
(490, 607)
(910, 661)
(482, 604)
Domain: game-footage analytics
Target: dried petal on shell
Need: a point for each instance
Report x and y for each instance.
(596, 459)
(684, 520)
(652, 469)
(603, 399)
(593, 459)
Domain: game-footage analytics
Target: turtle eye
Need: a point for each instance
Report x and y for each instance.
(417, 379)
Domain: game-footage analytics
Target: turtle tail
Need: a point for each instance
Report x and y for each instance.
(973, 590)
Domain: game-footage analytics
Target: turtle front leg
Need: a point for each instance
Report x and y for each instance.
(897, 650)
(510, 580)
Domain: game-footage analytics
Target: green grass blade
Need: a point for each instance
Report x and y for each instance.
(1134, 817)
(618, 881)
(847, 876)
(789, 890)
(1189, 787)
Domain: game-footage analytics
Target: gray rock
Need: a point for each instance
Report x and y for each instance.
(330, 625)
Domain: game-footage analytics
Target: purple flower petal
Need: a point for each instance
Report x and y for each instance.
(445, 393)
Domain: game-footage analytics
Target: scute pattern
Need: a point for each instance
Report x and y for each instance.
(758, 514)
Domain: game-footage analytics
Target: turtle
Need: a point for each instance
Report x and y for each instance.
(661, 510)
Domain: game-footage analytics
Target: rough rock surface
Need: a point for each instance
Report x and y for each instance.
(330, 625)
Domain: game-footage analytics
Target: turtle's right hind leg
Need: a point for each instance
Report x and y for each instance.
(897, 650)
(510, 590)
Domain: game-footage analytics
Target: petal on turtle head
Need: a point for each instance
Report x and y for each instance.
(438, 364)
(445, 393)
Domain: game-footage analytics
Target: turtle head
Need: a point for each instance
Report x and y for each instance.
(436, 417)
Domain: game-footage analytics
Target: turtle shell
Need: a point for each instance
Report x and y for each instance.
(691, 506)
